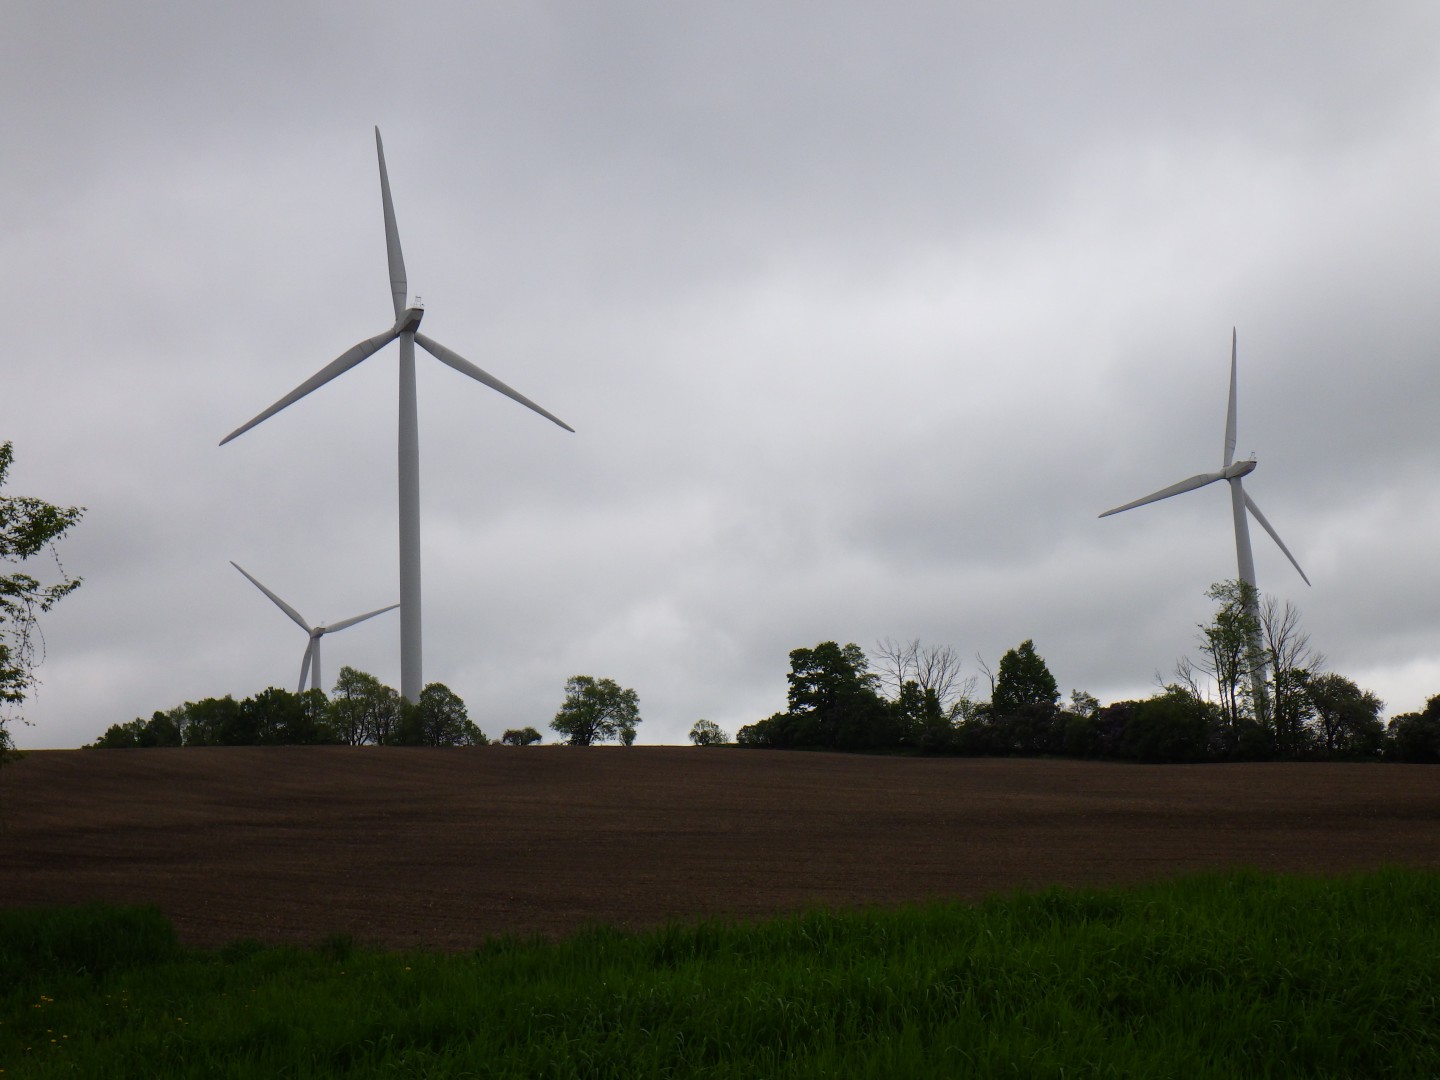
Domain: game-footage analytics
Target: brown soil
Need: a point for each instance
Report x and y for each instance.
(442, 848)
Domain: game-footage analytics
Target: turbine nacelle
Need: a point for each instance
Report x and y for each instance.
(1239, 469)
(409, 319)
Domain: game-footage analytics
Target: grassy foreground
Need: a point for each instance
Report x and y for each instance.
(1223, 976)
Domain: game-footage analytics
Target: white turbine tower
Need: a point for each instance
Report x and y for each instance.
(311, 664)
(407, 319)
(1240, 502)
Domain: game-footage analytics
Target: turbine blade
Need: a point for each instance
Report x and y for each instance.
(459, 363)
(343, 623)
(1230, 412)
(341, 364)
(1250, 504)
(305, 665)
(1197, 481)
(281, 604)
(399, 290)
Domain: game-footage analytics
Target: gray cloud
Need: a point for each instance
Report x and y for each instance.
(861, 319)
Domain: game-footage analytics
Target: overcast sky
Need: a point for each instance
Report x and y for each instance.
(862, 313)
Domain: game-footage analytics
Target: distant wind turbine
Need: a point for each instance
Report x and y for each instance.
(311, 664)
(1240, 502)
(407, 320)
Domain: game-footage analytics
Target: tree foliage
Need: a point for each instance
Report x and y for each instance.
(1415, 737)
(1346, 717)
(597, 710)
(1226, 653)
(273, 717)
(526, 736)
(28, 526)
(363, 709)
(1023, 681)
(439, 718)
(833, 704)
(708, 733)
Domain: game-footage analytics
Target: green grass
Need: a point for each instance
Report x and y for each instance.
(1221, 976)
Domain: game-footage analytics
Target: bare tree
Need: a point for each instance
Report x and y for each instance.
(1187, 677)
(985, 669)
(896, 662)
(933, 668)
(1292, 662)
(938, 670)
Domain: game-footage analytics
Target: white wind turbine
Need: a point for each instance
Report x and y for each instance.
(1240, 502)
(407, 319)
(311, 664)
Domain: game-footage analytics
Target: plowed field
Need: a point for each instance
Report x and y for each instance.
(441, 848)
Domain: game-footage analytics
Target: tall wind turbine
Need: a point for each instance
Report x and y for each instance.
(311, 664)
(1240, 502)
(407, 321)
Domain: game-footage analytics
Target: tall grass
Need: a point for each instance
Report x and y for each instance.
(1219, 976)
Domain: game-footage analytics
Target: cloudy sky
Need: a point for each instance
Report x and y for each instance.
(861, 312)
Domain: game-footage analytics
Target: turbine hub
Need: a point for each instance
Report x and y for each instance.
(410, 319)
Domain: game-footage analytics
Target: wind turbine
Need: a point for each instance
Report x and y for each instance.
(407, 321)
(1240, 502)
(311, 664)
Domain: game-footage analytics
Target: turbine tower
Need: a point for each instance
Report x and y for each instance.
(311, 664)
(407, 322)
(1240, 503)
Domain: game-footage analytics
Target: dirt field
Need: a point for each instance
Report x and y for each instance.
(441, 848)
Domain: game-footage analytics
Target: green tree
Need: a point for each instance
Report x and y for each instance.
(211, 721)
(1024, 714)
(439, 718)
(596, 710)
(526, 736)
(28, 526)
(1024, 679)
(921, 720)
(159, 730)
(1415, 737)
(1228, 649)
(362, 709)
(1347, 717)
(827, 676)
(708, 733)
(1170, 727)
(1079, 726)
(835, 702)
(276, 717)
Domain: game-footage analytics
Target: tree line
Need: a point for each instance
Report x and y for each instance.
(908, 698)
(911, 698)
(361, 710)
